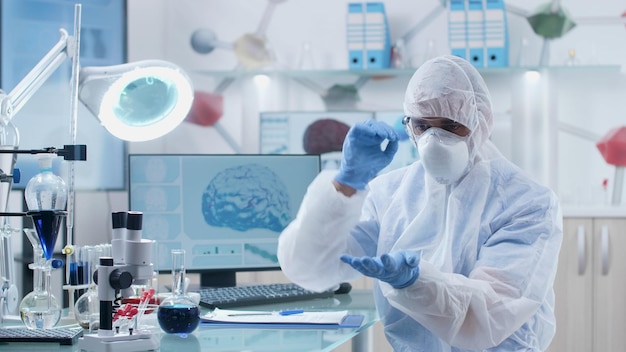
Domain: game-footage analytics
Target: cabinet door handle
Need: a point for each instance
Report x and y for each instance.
(605, 249)
(582, 252)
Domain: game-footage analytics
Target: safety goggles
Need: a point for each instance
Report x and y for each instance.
(417, 126)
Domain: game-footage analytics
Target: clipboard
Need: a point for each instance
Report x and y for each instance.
(304, 320)
(351, 321)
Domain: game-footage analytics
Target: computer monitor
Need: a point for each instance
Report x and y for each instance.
(226, 211)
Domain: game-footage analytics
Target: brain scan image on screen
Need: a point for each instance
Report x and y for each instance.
(153, 169)
(156, 199)
(161, 227)
(156, 170)
(324, 136)
(226, 211)
(308, 132)
(246, 197)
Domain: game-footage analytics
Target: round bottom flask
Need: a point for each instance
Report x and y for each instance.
(87, 306)
(36, 313)
(87, 310)
(178, 314)
(39, 309)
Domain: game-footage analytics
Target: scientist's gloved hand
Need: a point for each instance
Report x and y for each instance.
(363, 157)
(399, 269)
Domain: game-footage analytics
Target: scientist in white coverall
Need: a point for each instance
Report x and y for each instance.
(462, 244)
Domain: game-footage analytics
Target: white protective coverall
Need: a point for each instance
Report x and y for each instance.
(489, 242)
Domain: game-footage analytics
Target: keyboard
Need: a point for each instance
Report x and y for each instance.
(239, 296)
(64, 336)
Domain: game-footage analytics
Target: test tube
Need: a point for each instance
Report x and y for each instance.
(74, 271)
(81, 272)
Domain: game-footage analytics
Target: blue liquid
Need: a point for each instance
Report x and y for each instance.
(178, 318)
(47, 224)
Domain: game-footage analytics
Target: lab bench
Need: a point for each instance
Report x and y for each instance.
(206, 338)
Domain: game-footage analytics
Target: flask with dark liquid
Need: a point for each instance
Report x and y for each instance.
(178, 314)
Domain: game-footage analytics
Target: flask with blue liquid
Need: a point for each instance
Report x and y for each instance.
(46, 196)
(178, 314)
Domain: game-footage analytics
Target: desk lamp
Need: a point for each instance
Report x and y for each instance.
(134, 102)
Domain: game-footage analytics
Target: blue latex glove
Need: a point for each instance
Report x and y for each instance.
(363, 157)
(399, 269)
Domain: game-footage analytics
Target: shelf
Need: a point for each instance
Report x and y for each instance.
(394, 72)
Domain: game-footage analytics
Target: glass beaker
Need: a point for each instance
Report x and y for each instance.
(178, 313)
(39, 309)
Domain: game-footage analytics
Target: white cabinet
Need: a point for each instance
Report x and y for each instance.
(590, 286)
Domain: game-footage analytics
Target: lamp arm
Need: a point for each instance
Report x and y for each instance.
(579, 132)
(12, 103)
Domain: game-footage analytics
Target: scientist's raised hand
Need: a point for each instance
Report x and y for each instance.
(399, 269)
(363, 156)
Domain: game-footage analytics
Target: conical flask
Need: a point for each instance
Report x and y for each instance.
(47, 223)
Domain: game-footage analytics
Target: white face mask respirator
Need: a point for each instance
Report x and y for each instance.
(445, 155)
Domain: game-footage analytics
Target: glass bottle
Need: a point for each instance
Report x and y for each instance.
(571, 60)
(305, 57)
(178, 314)
(398, 54)
(39, 309)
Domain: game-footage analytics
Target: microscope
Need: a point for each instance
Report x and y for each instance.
(129, 265)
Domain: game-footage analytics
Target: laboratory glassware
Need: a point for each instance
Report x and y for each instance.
(46, 191)
(39, 309)
(87, 307)
(45, 195)
(178, 313)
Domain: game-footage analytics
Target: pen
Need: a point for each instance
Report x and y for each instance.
(282, 312)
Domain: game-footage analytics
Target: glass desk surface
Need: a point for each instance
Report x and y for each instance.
(206, 338)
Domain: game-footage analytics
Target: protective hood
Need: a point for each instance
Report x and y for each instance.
(450, 87)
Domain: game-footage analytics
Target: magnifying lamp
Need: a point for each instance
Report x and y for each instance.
(136, 101)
